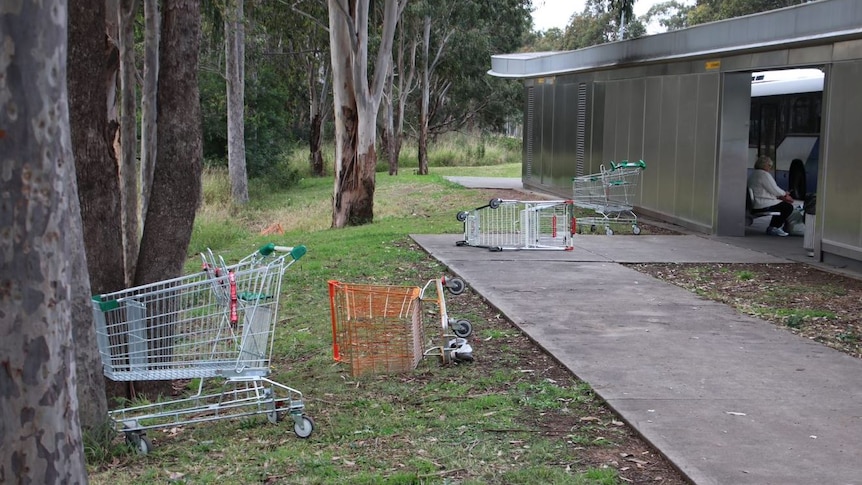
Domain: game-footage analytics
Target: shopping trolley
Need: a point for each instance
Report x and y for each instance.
(518, 224)
(214, 324)
(379, 329)
(453, 346)
(609, 193)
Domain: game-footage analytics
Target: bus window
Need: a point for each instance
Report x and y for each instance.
(801, 120)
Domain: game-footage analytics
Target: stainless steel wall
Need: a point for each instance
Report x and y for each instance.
(839, 193)
(670, 122)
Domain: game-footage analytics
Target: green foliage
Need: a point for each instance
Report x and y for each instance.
(712, 10)
(744, 275)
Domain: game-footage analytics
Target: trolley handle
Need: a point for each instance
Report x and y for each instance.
(296, 252)
(627, 164)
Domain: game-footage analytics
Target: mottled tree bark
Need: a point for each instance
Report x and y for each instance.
(40, 436)
(357, 102)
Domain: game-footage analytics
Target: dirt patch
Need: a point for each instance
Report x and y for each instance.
(594, 433)
(807, 301)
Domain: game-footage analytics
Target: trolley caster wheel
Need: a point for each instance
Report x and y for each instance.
(455, 286)
(274, 415)
(636, 230)
(593, 228)
(462, 328)
(495, 203)
(139, 442)
(304, 427)
(609, 231)
(462, 216)
(495, 249)
(460, 243)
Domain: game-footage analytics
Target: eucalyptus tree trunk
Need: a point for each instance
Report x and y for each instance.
(356, 103)
(398, 89)
(148, 102)
(95, 162)
(177, 177)
(41, 436)
(318, 79)
(234, 47)
(128, 140)
(428, 67)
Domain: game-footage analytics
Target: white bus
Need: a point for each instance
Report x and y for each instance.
(785, 125)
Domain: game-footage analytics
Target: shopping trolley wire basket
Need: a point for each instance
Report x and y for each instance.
(610, 194)
(376, 328)
(519, 224)
(217, 323)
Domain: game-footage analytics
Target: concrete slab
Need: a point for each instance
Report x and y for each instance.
(487, 182)
(727, 398)
(620, 249)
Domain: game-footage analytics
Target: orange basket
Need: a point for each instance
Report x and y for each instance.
(376, 329)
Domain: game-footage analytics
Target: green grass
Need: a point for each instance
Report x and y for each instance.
(476, 423)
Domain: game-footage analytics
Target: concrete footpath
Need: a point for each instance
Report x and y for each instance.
(729, 399)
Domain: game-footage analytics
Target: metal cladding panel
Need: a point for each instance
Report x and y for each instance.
(596, 153)
(565, 135)
(733, 154)
(686, 129)
(611, 135)
(635, 119)
(667, 160)
(839, 200)
(705, 149)
(652, 143)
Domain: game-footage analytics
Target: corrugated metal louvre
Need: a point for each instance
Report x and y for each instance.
(531, 99)
(581, 130)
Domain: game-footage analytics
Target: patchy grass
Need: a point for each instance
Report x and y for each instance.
(513, 416)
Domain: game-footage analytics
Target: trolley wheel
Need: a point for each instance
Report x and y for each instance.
(636, 229)
(139, 442)
(495, 249)
(462, 328)
(462, 216)
(592, 228)
(455, 286)
(304, 428)
(495, 203)
(609, 231)
(274, 416)
(460, 243)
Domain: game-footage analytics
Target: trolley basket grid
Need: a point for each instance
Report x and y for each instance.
(376, 328)
(610, 195)
(215, 324)
(516, 224)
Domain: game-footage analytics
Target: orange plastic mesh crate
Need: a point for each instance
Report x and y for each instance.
(376, 329)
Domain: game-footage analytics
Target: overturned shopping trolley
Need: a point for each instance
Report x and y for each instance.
(215, 324)
(518, 224)
(610, 195)
(379, 329)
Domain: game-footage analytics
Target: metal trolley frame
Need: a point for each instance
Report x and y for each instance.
(609, 194)
(519, 224)
(453, 332)
(215, 324)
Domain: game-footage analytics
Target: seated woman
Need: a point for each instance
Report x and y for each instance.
(768, 196)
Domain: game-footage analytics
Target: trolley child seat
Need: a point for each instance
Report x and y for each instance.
(217, 323)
